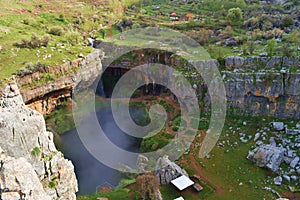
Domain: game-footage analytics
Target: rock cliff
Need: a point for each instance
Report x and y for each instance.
(256, 86)
(32, 167)
(43, 90)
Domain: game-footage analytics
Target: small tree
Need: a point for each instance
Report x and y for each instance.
(235, 15)
(148, 185)
(271, 47)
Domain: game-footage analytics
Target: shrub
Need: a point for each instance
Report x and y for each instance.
(277, 33)
(202, 36)
(287, 50)
(271, 47)
(73, 37)
(256, 34)
(36, 151)
(287, 21)
(235, 15)
(52, 184)
(35, 42)
(251, 47)
(30, 68)
(56, 30)
(294, 37)
(245, 49)
(148, 186)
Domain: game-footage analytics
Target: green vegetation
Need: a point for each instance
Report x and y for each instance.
(36, 151)
(52, 184)
(234, 15)
(116, 194)
(271, 47)
(155, 142)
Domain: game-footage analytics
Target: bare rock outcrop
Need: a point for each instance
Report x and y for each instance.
(267, 156)
(167, 170)
(19, 180)
(25, 138)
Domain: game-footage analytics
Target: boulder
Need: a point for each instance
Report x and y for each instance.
(19, 180)
(256, 137)
(278, 126)
(292, 131)
(267, 156)
(287, 178)
(278, 180)
(167, 170)
(294, 162)
(272, 141)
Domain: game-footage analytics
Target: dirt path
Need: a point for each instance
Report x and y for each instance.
(193, 164)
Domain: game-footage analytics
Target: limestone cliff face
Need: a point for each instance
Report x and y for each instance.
(32, 166)
(264, 93)
(255, 86)
(44, 90)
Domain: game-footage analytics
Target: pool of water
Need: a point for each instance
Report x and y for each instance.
(92, 174)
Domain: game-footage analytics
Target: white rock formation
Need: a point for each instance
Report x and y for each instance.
(267, 156)
(24, 138)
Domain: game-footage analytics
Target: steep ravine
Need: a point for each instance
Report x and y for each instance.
(254, 86)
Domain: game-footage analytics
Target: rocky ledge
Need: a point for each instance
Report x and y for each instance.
(31, 167)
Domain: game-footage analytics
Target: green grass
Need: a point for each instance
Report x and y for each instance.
(228, 167)
(19, 20)
(169, 192)
(116, 194)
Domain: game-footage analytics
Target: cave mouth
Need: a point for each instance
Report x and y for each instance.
(112, 75)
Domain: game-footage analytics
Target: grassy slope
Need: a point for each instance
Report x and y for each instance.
(19, 19)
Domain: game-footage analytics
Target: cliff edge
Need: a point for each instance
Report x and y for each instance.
(31, 167)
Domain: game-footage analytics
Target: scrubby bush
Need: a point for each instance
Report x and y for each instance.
(294, 37)
(73, 36)
(35, 42)
(31, 68)
(256, 34)
(235, 15)
(251, 47)
(36, 151)
(148, 186)
(271, 47)
(276, 33)
(202, 36)
(56, 30)
(287, 22)
(287, 50)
